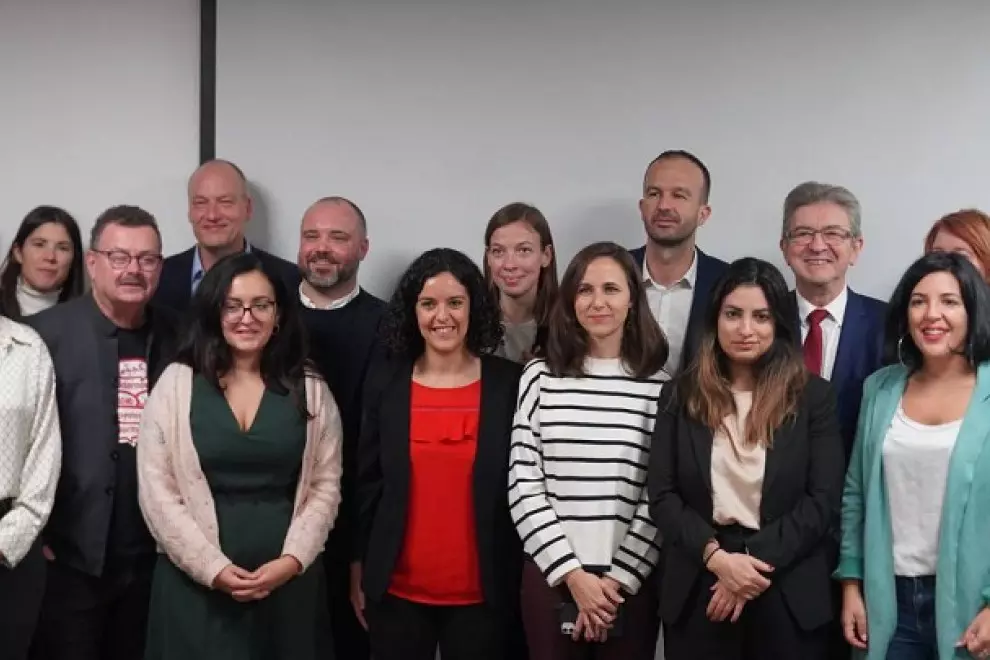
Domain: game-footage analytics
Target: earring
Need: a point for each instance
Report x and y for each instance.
(900, 342)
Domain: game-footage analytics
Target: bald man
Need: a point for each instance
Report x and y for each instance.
(219, 209)
(342, 320)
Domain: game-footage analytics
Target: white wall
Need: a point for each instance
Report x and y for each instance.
(432, 114)
(98, 106)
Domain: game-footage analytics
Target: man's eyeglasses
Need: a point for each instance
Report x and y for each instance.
(832, 236)
(260, 310)
(119, 260)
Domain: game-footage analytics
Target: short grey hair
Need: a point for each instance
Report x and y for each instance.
(813, 192)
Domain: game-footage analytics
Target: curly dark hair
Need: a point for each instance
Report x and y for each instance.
(284, 366)
(399, 329)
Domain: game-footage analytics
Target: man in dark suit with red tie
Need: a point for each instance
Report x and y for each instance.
(841, 331)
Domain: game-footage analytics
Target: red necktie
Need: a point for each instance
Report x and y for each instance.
(813, 342)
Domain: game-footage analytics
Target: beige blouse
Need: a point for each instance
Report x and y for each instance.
(737, 471)
(175, 497)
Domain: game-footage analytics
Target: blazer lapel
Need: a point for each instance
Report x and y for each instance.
(775, 456)
(396, 411)
(971, 441)
(490, 450)
(701, 441)
(851, 337)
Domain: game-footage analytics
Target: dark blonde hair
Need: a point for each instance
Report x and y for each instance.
(644, 347)
(780, 372)
(546, 287)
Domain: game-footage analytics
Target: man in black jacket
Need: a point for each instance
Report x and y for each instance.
(108, 349)
(219, 209)
(342, 321)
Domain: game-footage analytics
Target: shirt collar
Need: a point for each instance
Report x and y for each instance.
(12, 333)
(197, 265)
(687, 280)
(836, 309)
(336, 304)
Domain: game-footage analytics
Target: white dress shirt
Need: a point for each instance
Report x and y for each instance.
(671, 307)
(915, 468)
(336, 304)
(831, 327)
(30, 439)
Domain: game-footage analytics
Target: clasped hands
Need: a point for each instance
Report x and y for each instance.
(740, 579)
(597, 600)
(244, 586)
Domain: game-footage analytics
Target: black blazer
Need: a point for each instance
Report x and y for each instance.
(802, 489)
(383, 479)
(709, 270)
(175, 284)
(83, 346)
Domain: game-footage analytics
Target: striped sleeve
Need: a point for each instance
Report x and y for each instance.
(639, 551)
(536, 522)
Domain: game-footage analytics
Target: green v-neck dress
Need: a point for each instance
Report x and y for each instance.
(253, 476)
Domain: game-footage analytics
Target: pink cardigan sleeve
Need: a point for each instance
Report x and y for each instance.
(166, 511)
(319, 496)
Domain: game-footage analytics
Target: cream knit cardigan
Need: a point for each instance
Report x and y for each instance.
(175, 497)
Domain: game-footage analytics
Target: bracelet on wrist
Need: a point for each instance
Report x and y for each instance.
(711, 554)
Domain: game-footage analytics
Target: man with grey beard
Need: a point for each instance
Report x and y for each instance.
(342, 319)
(678, 276)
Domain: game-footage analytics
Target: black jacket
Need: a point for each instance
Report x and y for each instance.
(83, 345)
(383, 479)
(802, 489)
(175, 284)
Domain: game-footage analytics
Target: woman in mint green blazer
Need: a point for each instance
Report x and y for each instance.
(915, 555)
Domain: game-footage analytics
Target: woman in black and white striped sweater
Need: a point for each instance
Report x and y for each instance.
(578, 465)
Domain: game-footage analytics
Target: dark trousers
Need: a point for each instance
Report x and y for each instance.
(914, 638)
(541, 617)
(766, 629)
(95, 618)
(350, 640)
(403, 630)
(21, 590)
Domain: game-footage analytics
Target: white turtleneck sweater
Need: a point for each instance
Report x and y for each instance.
(32, 301)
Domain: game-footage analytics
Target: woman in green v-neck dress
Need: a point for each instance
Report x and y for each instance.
(240, 496)
(252, 475)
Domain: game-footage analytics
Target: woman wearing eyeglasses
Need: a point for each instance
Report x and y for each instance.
(239, 467)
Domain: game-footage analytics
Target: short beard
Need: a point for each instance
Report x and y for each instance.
(670, 241)
(343, 273)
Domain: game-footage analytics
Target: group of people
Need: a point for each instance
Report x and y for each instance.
(222, 454)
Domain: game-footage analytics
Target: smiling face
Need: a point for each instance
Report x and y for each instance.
(126, 264)
(249, 313)
(46, 257)
(745, 325)
(219, 206)
(516, 259)
(332, 245)
(442, 313)
(937, 317)
(602, 302)
(819, 246)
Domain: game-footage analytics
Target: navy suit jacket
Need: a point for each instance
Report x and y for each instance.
(860, 353)
(175, 285)
(709, 270)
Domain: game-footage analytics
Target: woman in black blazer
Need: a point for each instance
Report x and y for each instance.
(440, 558)
(745, 484)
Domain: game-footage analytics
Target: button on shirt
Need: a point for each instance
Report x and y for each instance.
(671, 307)
(31, 445)
(831, 327)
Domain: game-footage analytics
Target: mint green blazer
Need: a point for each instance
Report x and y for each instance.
(963, 568)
